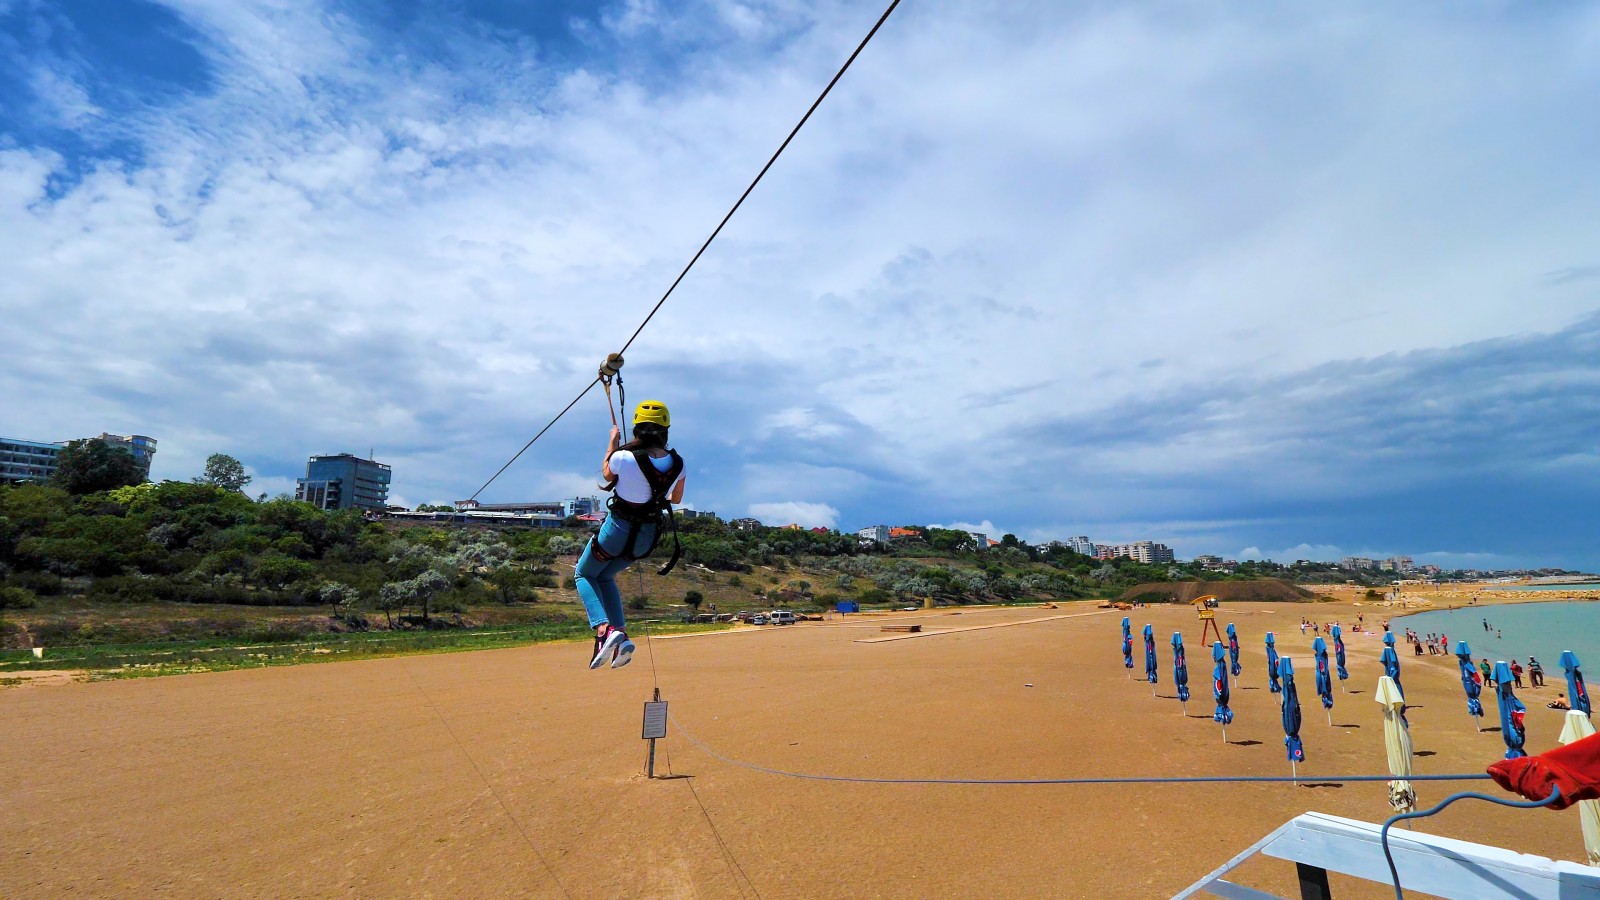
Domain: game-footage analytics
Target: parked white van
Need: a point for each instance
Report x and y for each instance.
(781, 617)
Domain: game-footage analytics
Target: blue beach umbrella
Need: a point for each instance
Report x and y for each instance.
(1272, 663)
(1511, 712)
(1391, 662)
(1291, 716)
(1469, 682)
(1127, 646)
(1319, 647)
(1233, 651)
(1180, 669)
(1338, 655)
(1150, 654)
(1219, 687)
(1577, 694)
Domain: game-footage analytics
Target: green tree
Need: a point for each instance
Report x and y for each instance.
(693, 599)
(91, 465)
(225, 472)
(512, 584)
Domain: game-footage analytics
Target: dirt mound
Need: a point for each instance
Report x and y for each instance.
(1265, 590)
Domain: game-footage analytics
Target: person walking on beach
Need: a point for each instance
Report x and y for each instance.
(1516, 674)
(645, 479)
(1487, 670)
(1535, 672)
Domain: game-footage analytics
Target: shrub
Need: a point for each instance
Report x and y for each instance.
(638, 603)
(570, 583)
(45, 584)
(16, 598)
(735, 580)
(694, 598)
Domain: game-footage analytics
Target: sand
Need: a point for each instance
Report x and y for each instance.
(517, 772)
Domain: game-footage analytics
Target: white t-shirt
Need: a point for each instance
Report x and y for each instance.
(631, 483)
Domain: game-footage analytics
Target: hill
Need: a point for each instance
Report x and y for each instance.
(1257, 590)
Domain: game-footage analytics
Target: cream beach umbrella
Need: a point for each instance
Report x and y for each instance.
(1397, 742)
(1577, 728)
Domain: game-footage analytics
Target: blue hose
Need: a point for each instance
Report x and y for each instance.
(1383, 833)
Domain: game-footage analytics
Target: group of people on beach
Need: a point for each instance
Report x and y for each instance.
(1488, 627)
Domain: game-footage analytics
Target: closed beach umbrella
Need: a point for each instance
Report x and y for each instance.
(1578, 727)
(1291, 715)
(1319, 648)
(1391, 660)
(1511, 712)
(1338, 655)
(1272, 663)
(1397, 743)
(1127, 646)
(1150, 654)
(1233, 651)
(1180, 670)
(1577, 694)
(1219, 687)
(1469, 682)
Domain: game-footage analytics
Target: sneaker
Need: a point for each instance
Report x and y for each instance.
(605, 647)
(624, 654)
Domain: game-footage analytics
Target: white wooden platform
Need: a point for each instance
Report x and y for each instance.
(1428, 865)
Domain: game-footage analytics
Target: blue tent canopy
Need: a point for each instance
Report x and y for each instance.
(1233, 651)
(1511, 712)
(1469, 679)
(1272, 664)
(1180, 667)
(1338, 653)
(1319, 648)
(1150, 654)
(1219, 683)
(1291, 712)
(1577, 693)
(1127, 644)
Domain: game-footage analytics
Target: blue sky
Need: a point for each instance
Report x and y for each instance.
(1248, 279)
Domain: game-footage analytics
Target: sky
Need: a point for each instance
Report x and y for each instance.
(1258, 280)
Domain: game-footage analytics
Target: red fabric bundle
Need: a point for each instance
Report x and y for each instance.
(1574, 768)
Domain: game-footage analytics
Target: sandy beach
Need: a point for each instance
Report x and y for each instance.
(518, 772)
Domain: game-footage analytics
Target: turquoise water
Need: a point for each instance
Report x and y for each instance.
(1526, 629)
(1584, 586)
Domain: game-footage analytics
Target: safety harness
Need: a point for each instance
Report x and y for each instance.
(651, 512)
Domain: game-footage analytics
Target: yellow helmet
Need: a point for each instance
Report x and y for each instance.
(654, 412)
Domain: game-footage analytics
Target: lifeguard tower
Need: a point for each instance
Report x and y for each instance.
(1206, 608)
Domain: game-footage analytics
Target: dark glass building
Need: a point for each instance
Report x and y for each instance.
(343, 481)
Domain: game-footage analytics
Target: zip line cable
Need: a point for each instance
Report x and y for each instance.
(704, 246)
(1179, 779)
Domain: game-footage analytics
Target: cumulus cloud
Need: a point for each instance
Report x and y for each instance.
(995, 532)
(798, 512)
(1112, 270)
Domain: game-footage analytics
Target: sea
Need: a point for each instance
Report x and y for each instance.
(1541, 629)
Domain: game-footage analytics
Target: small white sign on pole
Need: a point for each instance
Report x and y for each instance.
(655, 720)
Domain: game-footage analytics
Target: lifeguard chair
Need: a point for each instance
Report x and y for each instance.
(1206, 608)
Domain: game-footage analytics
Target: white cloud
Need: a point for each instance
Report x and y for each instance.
(811, 515)
(343, 242)
(995, 532)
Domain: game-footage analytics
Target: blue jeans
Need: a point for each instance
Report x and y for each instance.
(597, 578)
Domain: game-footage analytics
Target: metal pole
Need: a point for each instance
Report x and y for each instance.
(650, 764)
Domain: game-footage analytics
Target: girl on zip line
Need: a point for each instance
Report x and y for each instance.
(645, 478)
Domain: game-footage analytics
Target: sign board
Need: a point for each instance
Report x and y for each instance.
(655, 720)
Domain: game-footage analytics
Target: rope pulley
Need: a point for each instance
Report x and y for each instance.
(611, 368)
